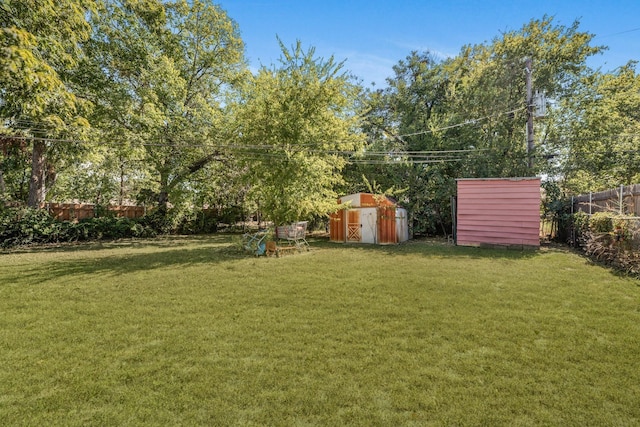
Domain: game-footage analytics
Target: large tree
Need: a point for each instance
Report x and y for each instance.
(297, 124)
(160, 74)
(39, 44)
(596, 142)
(465, 116)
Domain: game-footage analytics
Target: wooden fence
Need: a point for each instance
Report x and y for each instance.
(624, 200)
(78, 211)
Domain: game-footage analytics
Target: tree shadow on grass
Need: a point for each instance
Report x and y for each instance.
(102, 245)
(125, 257)
(434, 247)
(117, 258)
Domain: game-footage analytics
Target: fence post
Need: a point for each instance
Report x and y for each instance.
(621, 199)
(590, 201)
(573, 228)
(572, 202)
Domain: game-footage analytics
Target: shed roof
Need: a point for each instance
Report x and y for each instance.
(367, 200)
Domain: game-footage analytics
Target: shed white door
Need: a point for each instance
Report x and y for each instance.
(368, 218)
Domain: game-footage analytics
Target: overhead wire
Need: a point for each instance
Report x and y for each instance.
(41, 126)
(465, 123)
(275, 152)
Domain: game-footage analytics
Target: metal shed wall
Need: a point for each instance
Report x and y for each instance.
(498, 212)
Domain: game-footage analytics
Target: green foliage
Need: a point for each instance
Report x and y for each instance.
(463, 117)
(556, 210)
(301, 117)
(27, 226)
(625, 229)
(23, 226)
(601, 222)
(600, 139)
(163, 73)
(181, 220)
(580, 222)
(40, 45)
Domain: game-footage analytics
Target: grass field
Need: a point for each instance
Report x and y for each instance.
(188, 331)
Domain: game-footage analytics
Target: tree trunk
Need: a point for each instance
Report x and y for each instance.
(3, 187)
(163, 195)
(163, 200)
(37, 187)
(122, 176)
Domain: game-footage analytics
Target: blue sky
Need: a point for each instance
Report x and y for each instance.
(372, 36)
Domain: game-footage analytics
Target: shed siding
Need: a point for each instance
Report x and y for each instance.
(498, 212)
(336, 226)
(387, 232)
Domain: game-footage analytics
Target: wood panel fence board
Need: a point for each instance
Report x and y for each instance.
(79, 211)
(609, 201)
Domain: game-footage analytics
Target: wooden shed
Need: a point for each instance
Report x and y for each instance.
(367, 218)
(500, 211)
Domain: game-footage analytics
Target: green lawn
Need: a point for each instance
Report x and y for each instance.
(187, 331)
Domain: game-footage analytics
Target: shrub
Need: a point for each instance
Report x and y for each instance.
(610, 239)
(26, 226)
(601, 222)
(23, 226)
(555, 209)
(580, 224)
(181, 221)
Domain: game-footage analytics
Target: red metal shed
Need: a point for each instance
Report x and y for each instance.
(498, 211)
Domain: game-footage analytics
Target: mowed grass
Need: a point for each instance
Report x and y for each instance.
(188, 331)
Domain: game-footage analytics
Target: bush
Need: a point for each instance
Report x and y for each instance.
(26, 226)
(556, 207)
(610, 239)
(182, 221)
(601, 222)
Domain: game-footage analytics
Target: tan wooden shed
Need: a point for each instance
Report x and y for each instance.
(367, 218)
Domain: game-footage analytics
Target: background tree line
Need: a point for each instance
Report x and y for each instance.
(107, 101)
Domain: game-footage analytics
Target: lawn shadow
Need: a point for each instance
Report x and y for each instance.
(175, 252)
(101, 245)
(439, 247)
(124, 257)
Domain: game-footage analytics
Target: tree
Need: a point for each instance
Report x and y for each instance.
(162, 72)
(598, 147)
(490, 85)
(464, 116)
(298, 122)
(39, 41)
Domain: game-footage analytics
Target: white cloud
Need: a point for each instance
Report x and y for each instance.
(370, 68)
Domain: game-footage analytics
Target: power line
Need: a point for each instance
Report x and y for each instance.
(465, 123)
(293, 148)
(41, 126)
(618, 33)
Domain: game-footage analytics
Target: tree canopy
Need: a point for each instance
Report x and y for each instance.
(464, 117)
(597, 148)
(160, 74)
(108, 101)
(298, 122)
(39, 44)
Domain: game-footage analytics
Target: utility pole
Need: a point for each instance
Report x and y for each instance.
(529, 70)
